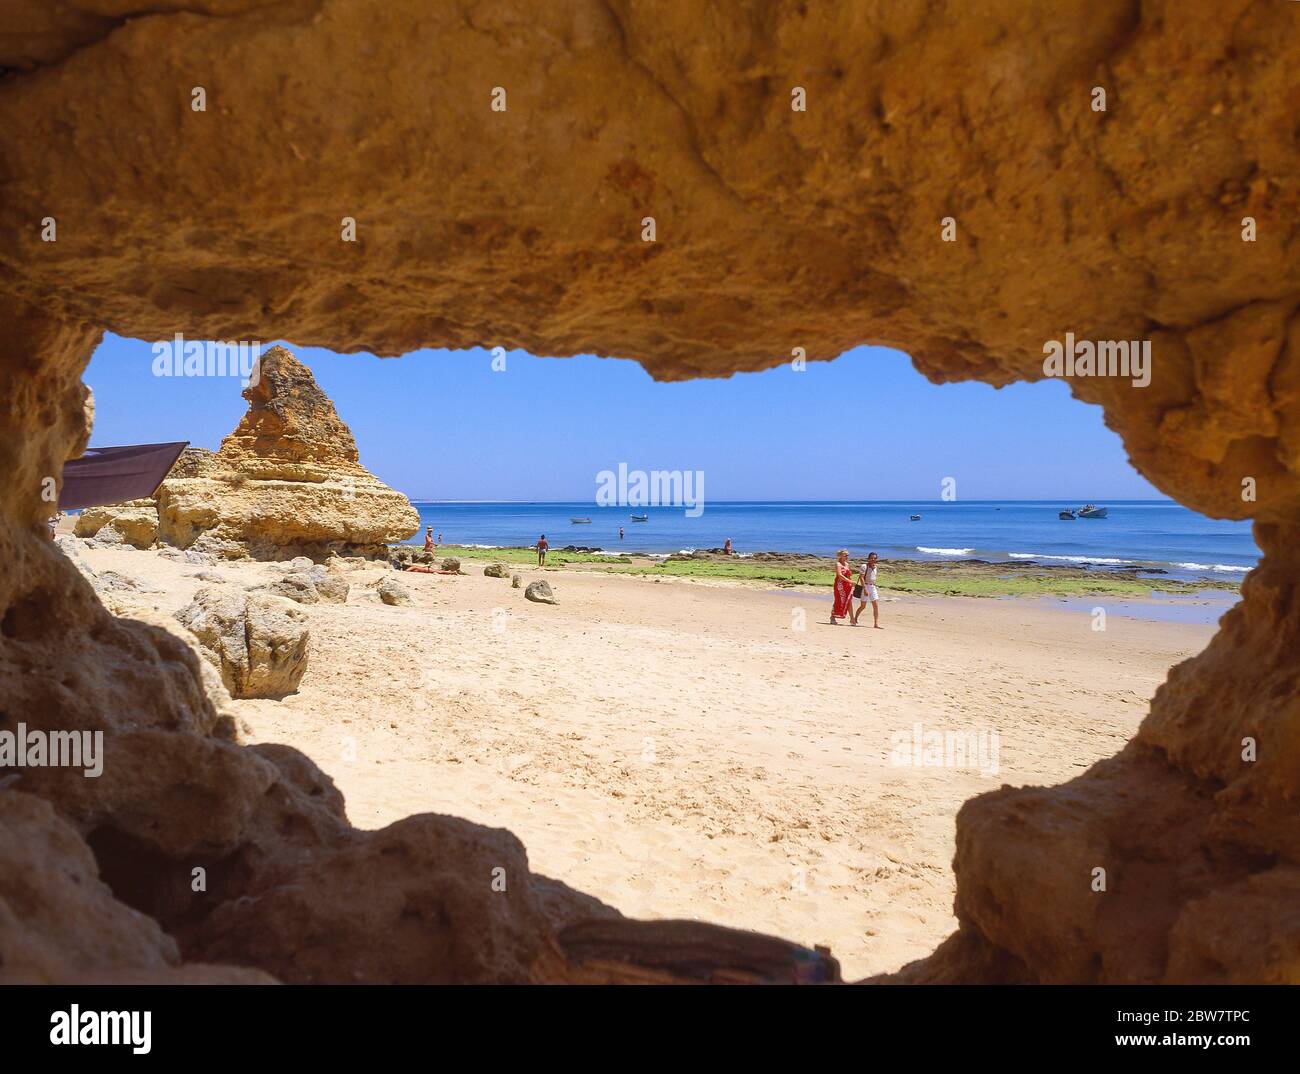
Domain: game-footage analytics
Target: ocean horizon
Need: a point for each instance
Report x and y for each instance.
(1159, 535)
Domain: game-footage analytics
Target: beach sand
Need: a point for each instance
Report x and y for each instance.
(680, 748)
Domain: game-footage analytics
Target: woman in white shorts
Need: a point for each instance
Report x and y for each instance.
(867, 582)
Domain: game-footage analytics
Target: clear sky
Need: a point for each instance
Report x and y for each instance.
(443, 425)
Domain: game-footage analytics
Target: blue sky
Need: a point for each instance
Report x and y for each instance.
(442, 425)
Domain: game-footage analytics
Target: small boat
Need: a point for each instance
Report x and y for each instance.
(915, 518)
(1066, 515)
(579, 521)
(640, 518)
(1091, 510)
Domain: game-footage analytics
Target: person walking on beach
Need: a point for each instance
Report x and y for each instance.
(428, 538)
(866, 591)
(843, 606)
(542, 546)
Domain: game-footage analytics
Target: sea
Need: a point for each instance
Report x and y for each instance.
(1155, 534)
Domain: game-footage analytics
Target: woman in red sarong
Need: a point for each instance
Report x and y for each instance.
(843, 587)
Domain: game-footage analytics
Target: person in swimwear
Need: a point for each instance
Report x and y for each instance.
(542, 546)
(866, 591)
(428, 538)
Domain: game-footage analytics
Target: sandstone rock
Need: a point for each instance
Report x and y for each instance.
(451, 563)
(409, 904)
(516, 581)
(391, 591)
(539, 592)
(286, 481)
(57, 918)
(496, 570)
(297, 586)
(258, 642)
(308, 586)
(331, 587)
(134, 522)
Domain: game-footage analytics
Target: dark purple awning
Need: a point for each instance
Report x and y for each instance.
(116, 474)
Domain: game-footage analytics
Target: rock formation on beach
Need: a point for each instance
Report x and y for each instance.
(287, 482)
(1169, 217)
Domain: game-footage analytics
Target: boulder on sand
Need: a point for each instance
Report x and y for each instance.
(134, 522)
(496, 570)
(451, 563)
(516, 581)
(256, 640)
(309, 586)
(539, 593)
(391, 591)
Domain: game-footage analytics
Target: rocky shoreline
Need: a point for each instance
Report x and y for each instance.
(805, 568)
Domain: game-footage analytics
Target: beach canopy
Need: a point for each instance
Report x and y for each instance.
(115, 474)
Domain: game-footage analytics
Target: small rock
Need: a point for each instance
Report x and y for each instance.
(330, 586)
(296, 586)
(515, 581)
(451, 563)
(391, 591)
(539, 593)
(496, 570)
(257, 642)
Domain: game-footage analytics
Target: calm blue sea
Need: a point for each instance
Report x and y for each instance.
(1147, 533)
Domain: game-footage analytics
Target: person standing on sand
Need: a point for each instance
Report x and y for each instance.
(843, 606)
(440, 540)
(542, 546)
(428, 538)
(867, 591)
(726, 547)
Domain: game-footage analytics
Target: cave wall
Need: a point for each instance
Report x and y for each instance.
(775, 229)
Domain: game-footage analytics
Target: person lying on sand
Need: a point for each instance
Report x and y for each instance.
(866, 590)
(843, 606)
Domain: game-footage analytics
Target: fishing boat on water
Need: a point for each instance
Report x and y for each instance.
(640, 518)
(915, 518)
(579, 521)
(1091, 510)
(1067, 514)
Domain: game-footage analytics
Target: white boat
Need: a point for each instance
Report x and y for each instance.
(640, 518)
(579, 521)
(1091, 510)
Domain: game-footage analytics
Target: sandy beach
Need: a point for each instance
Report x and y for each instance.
(697, 747)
